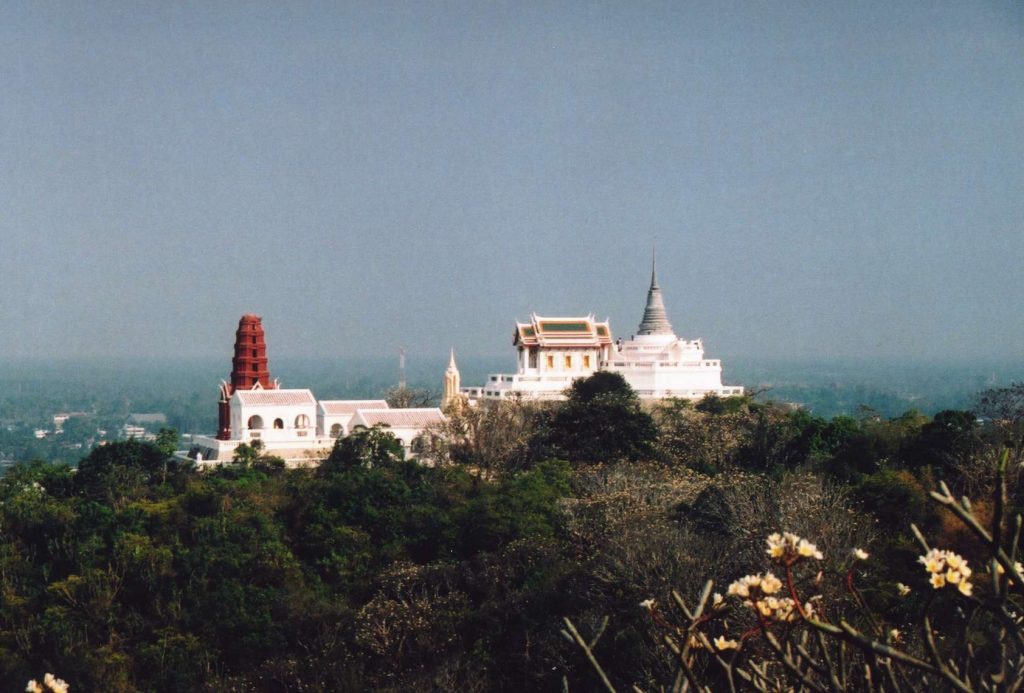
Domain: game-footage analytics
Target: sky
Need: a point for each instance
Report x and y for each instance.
(821, 180)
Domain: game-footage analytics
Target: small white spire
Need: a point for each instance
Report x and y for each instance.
(452, 382)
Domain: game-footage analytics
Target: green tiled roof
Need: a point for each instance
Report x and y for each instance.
(565, 327)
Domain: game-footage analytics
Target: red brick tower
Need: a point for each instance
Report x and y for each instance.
(248, 368)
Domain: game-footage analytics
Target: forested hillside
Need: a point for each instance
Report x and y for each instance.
(372, 572)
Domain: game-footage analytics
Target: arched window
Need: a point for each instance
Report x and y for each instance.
(335, 430)
(256, 422)
(301, 421)
(278, 423)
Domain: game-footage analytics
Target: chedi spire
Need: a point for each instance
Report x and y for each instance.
(248, 368)
(249, 364)
(655, 320)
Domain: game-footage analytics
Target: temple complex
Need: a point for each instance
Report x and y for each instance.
(552, 352)
(291, 423)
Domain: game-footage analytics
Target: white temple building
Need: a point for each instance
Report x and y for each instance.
(292, 424)
(553, 352)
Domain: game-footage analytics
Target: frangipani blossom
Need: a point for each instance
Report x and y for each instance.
(947, 568)
(790, 547)
(723, 643)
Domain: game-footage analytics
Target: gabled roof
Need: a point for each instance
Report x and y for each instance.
(275, 398)
(564, 331)
(399, 418)
(345, 407)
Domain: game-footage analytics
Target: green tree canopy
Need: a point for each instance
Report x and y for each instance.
(601, 421)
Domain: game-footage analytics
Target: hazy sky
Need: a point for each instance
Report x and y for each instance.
(822, 179)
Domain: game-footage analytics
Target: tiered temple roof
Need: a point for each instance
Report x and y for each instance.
(562, 332)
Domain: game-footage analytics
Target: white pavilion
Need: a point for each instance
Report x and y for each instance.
(553, 352)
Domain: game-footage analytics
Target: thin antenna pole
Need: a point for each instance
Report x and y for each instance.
(401, 368)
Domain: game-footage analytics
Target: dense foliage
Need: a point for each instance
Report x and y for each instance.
(134, 572)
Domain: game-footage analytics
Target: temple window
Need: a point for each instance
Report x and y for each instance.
(568, 362)
(335, 430)
(278, 423)
(255, 422)
(551, 361)
(301, 421)
(586, 360)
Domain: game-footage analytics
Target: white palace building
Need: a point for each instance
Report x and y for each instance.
(291, 423)
(553, 352)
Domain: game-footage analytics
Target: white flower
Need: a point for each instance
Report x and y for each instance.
(723, 643)
(902, 589)
(770, 584)
(808, 550)
(1016, 566)
(860, 554)
(776, 545)
(741, 587)
(947, 568)
(717, 599)
(933, 561)
(33, 687)
(56, 685)
(647, 604)
(788, 546)
(894, 634)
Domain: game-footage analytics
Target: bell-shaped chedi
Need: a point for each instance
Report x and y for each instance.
(655, 320)
(249, 369)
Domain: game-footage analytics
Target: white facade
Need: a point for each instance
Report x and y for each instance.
(659, 367)
(333, 417)
(273, 415)
(293, 425)
(404, 424)
(550, 354)
(553, 352)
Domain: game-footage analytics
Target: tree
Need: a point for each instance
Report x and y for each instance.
(409, 397)
(1002, 403)
(364, 447)
(950, 437)
(492, 437)
(167, 441)
(118, 471)
(601, 421)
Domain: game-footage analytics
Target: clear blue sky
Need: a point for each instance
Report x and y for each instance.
(822, 179)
